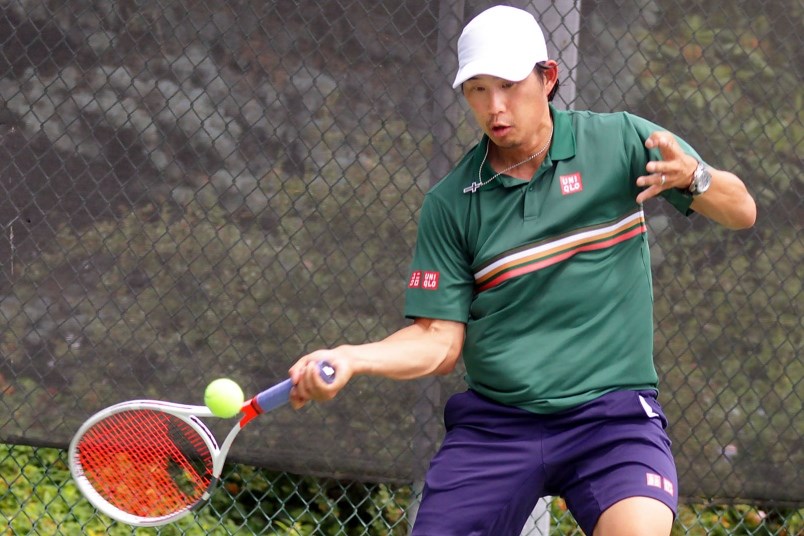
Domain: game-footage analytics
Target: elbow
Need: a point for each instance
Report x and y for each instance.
(733, 214)
(446, 344)
(746, 218)
(748, 221)
(449, 358)
(446, 367)
(730, 205)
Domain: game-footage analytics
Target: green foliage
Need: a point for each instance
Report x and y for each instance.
(266, 500)
(38, 496)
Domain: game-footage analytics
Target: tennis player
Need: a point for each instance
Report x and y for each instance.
(532, 263)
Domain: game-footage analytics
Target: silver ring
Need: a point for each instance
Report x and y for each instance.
(664, 179)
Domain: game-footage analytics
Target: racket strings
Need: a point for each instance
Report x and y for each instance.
(146, 462)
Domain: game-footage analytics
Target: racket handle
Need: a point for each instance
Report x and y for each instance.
(279, 394)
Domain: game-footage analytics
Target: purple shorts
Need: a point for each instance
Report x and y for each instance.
(496, 461)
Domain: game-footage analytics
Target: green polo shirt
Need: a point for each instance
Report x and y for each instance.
(552, 275)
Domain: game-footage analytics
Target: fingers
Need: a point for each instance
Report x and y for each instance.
(304, 387)
(663, 177)
(665, 142)
(653, 184)
(298, 368)
(308, 385)
(296, 401)
(299, 396)
(674, 170)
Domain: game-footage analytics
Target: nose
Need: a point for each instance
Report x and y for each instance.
(496, 102)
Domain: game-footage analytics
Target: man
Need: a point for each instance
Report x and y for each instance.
(532, 263)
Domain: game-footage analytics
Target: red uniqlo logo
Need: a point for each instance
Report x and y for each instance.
(571, 184)
(430, 281)
(415, 279)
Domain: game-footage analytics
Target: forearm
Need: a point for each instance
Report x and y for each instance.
(727, 201)
(421, 349)
(424, 348)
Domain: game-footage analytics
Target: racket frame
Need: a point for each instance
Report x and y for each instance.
(263, 402)
(191, 415)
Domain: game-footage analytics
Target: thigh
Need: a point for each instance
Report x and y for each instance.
(636, 516)
(487, 475)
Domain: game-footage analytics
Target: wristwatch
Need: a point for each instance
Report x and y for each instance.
(701, 180)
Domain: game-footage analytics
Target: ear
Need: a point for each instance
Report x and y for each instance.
(550, 75)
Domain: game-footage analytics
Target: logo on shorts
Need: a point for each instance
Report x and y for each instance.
(648, 410)
(424, 280)
(571, 184)
(657, 481)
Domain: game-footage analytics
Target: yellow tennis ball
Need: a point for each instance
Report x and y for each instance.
(224, 398)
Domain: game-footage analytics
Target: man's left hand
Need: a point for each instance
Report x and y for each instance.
(674, 170)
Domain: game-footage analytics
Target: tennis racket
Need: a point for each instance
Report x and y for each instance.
(148, 463)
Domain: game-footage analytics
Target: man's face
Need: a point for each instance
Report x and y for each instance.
(510, 113)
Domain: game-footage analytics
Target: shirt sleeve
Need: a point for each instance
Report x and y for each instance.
(644, 128)
(441, 284)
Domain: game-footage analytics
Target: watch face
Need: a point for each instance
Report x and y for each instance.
(702, 180)
(706, 179)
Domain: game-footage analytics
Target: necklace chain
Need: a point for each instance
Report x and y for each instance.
(480, 182)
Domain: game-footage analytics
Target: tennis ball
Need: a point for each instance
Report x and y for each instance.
(224, 398)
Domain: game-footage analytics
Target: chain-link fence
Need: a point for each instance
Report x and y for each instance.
(194, 189)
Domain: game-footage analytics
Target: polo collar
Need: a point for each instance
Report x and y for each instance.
(561, 148)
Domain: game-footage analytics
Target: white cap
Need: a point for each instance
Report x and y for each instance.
(502, 41)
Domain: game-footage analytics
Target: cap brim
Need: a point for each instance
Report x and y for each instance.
(506, 72)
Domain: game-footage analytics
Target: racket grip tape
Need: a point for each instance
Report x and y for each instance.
(279, 394)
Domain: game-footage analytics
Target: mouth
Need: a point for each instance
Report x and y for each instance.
(500, 130)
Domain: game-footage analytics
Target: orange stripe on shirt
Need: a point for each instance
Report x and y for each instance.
(587, 245)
